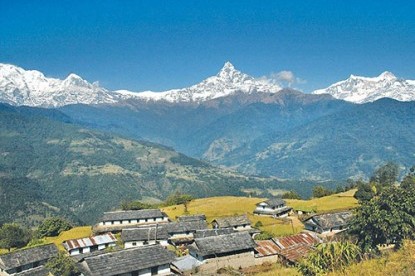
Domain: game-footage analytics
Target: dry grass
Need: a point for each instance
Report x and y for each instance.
(74, 233)
(215, 207)
(401, 262)
(334, 202)
(268, 269)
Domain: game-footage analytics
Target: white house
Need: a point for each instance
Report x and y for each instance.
(136, 237)
(275, 207)
(118, 220)
(90, 244)
(328, 224)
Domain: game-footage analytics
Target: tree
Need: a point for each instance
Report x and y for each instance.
(62, 265)
(12, 235)
(320, 191)
(386, 219)
(135, 205)
(364, 192)
(291, 195)
(329, 257)
(409, 180)
(52, 227)
(386, 175)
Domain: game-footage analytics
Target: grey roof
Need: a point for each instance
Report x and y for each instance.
(127, 260)
(185, 226)
(133, 214)
(223, 244)
(226, 222)
(27, 256)
(278, 211)
(191, 217)
(144, 234)
(212, 232)
(274, 202)
(186, 263)
(330, 220)
(37, 271)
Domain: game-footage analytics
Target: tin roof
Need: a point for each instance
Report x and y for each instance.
(266, 248)
(133, 214)
(297, 246)
(90, 241)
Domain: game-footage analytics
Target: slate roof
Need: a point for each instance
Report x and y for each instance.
(126, 260)
(185, 226)
(191, 218)
(212, 232)
(37, 271)
(273, 202)
(226, 222)
(133, 214)
(330, 220)
(223, 244)
(90, 241)
(27, 256)
(144, 234)
(278, 211)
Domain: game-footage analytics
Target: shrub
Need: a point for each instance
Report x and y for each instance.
(52, 227)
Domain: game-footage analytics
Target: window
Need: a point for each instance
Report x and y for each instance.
(145, 242)
(155, 270)
(134, 244)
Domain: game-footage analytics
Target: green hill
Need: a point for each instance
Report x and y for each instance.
(50, 167)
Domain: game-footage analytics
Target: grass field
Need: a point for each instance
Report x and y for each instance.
(215, 207)
(74, 233)
(334, 202)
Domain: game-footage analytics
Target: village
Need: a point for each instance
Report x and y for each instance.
(159, 242)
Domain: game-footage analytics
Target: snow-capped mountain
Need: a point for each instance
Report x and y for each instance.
(32, 88)
(228, 81)
(363, 89)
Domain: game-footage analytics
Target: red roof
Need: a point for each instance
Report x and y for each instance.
(291, 248)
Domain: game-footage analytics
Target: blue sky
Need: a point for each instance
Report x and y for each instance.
(159, 45)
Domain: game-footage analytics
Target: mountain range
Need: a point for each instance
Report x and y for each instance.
(86, 148)
(32, 88)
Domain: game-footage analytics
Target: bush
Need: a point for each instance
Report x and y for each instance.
(291, 195)
(12, 235)
(330, 257)
(62, 265)
(264, 235)
(258, 224)
(52, 227)
(135, 205)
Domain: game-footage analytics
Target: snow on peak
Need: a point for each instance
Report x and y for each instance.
(359, 89)
(30, 87)
(228, 81)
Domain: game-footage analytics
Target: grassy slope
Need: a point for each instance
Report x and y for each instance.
(215, 207)
(334, 202)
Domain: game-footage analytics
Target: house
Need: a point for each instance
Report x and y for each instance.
(266, 251)
(118, 220)
(27, 260)
(275, 207)
(191, 218)
(147, 260)
(90, 244)
(182, 232)
(144, 236)
(231, 250)
(237, 223)
(294, 247)
(331, 223)
(174, 232)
